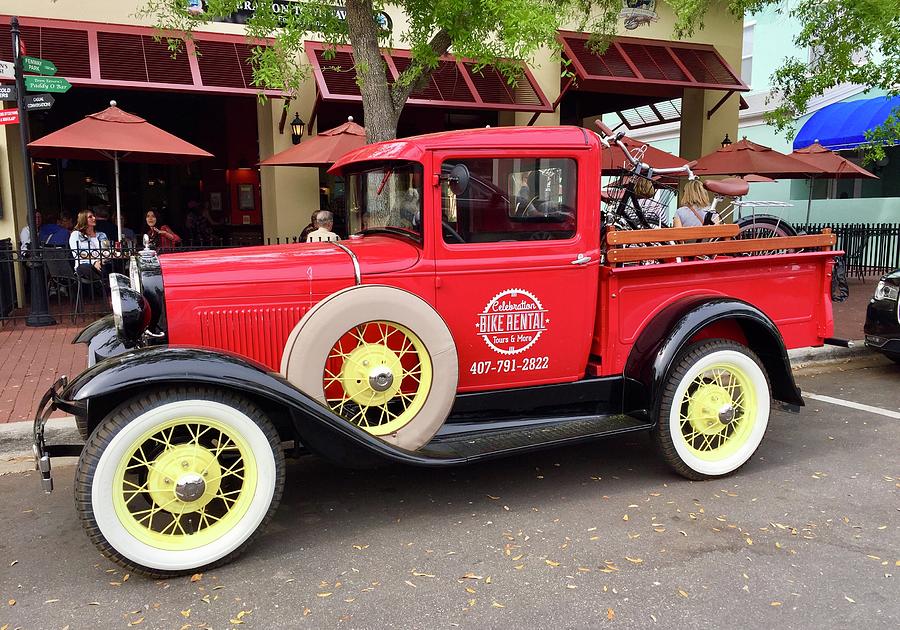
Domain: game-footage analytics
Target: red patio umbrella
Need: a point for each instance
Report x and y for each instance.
(833, 165)
(752, 178)
(614, 159)
(116, 135)
(746, 158)
(323, 149)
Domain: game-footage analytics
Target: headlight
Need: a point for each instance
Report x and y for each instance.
(134, 274)
(885, 291)
(131, 312)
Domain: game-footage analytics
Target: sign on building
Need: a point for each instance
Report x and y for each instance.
(638, 12)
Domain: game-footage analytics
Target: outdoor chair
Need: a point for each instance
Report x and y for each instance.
(89, 279)
(856, 256)
(61, 276)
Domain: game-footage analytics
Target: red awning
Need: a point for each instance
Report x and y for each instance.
(454, 84)
(648, 67)
(115, 55)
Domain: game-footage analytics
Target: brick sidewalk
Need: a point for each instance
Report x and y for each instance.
(32, 358)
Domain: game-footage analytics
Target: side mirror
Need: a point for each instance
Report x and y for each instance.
(458, 179)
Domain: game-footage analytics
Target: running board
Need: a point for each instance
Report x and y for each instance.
(483, 444)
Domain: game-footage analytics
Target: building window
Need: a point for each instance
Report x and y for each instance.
(747, 54)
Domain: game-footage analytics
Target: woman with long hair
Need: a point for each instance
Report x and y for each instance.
(161, 236)
(86, 243)
(694, 210)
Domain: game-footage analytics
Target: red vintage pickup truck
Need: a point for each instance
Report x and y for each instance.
(479, 309)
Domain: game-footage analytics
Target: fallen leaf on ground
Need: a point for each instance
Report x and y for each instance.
(492, 497)
(51, 601)
(852, 601)
(186, 613)
(410, 583)
(610, 614)
(196, 577)
(471, 576)
(11, 602)
(497, 605)
(683, 593)
(775, 604)
(552, 563)
(306, 611)
(417, 574)
(634, 560)
(136, 622)
(324, 594)
(360, 547)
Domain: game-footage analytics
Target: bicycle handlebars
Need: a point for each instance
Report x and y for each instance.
(605, 135)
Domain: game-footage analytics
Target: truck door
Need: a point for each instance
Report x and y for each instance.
(517, 254)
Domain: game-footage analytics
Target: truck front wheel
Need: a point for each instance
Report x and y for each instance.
(714, 409)
(179, 480)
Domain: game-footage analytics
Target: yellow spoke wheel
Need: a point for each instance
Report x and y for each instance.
(378, 376)
(185, 483)
(718, 411)
(714, 409)
(179, 480)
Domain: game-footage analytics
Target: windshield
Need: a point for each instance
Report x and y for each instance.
(386, 198)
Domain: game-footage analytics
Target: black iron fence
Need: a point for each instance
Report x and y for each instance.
(80, 292)
(870, 249)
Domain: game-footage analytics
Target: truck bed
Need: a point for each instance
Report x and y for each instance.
(793, 289)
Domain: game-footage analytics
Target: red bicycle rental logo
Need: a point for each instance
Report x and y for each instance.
(512, 321)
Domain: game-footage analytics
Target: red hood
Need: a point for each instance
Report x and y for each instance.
(268, 267)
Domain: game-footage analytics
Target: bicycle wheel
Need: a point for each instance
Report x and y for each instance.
(765, 226)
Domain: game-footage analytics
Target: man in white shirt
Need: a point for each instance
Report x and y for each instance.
(325, 221)
(25, 234)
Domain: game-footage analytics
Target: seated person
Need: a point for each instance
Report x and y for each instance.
(325, 221)
(57, 233)
(694, 211)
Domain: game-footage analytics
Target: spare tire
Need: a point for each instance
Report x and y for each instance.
(379, 357)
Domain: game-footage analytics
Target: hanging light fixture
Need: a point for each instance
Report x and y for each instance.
(726, 141)
(297, 127)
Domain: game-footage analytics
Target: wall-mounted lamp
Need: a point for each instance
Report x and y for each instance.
(726, 141)
(297, 127)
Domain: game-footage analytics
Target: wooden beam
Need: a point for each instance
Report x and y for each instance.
(738, 246)
(659, 235)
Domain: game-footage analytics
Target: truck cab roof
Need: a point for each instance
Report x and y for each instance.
(498, 138)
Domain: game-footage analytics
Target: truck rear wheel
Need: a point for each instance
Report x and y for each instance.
(714, 409)
(380, 358)
(179, 480)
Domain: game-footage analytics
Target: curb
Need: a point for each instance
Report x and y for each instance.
(802, 358)
(16, 437)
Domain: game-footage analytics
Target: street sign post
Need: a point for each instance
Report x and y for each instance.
(39, 311)
(57, 85)
(7, 70)
(38, 66)
(38, 102)
(8, 93)
(9, 116)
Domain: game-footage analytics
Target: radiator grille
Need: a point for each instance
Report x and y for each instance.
(257, 333)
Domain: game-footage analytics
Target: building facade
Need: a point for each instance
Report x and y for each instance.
(108, 53)
(815, 201)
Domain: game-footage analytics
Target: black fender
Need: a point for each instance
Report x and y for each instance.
(101, 339)
(99, 389)
(661, 342)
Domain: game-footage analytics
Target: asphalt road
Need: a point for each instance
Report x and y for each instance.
(806, 535)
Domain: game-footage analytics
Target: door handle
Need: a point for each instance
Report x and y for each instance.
(581, 260)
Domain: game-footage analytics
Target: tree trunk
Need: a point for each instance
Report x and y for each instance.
(378, 109)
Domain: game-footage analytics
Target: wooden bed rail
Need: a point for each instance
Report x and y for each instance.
(662, 235)
(825, 240)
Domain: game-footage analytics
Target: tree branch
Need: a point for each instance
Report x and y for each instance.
(417, 72)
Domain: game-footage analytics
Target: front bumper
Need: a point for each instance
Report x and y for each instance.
(51, 400)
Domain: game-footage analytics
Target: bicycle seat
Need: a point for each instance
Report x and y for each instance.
(731, 187)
